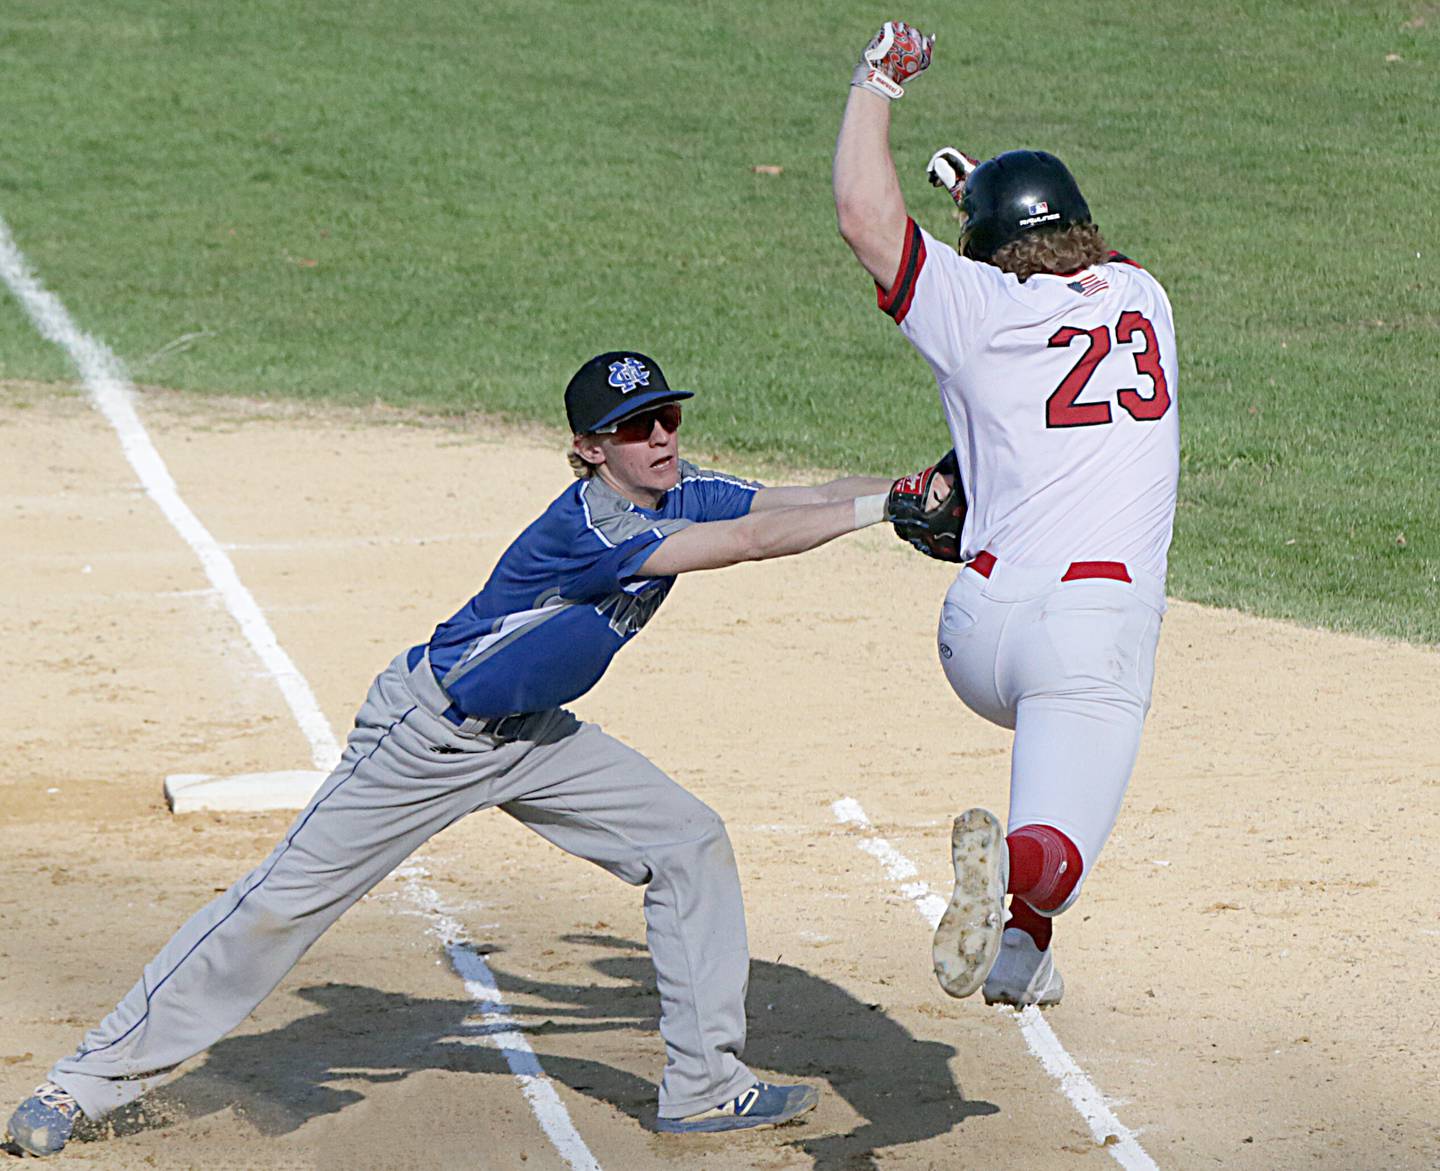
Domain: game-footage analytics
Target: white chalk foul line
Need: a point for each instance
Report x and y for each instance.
(114, 394)
(1118, 1139)
(497, 1026)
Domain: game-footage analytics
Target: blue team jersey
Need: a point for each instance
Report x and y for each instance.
(565, 597)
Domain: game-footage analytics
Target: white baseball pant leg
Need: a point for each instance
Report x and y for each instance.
(1069, 666)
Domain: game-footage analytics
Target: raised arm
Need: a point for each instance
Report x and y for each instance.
(868, 205)
(869, 208)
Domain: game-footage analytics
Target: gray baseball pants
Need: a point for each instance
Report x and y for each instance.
(406, 774)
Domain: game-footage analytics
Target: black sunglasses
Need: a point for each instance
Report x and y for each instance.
(638, 428)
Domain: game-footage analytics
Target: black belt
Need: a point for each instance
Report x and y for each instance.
(505, 727)
(501, 727)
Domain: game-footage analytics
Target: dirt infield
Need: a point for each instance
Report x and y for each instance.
(1250, 974)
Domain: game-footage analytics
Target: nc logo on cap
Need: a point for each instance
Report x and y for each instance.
(627, 375)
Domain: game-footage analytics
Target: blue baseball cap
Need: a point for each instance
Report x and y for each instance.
(614, 385)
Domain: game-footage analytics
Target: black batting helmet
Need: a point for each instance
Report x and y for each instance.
(1017, 192)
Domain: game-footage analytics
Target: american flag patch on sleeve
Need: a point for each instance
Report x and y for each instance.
(1089, 285)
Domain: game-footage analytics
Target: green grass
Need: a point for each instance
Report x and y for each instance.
(437, 204)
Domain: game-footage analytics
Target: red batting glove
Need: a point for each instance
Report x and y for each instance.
(894, 55)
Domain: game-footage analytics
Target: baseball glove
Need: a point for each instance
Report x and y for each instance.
(928, 509)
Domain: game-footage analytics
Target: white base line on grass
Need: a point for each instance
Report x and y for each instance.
(114, 394)
(1074, 1084)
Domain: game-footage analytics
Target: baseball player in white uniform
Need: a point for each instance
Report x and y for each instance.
(1055, 358)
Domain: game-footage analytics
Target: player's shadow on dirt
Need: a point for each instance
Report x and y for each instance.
(801, 1027)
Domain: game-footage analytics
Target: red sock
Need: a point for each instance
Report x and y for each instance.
(1025, 917)
(1044, 866)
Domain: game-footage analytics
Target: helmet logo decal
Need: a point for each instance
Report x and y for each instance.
(1040, 213)
(627, 375)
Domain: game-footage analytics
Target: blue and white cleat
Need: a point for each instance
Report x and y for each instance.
(43, 1123)
(967, 939)
(761, 1105)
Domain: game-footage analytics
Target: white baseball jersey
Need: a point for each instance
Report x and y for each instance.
(1060, 396)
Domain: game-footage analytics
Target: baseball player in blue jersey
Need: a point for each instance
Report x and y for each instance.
(475, 718)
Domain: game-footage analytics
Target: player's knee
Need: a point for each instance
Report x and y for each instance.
(268, 919)
(701, 845)
(1045, 867)
(277, 912)
(705, 829)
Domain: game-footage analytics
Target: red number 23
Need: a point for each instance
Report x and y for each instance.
(1061, 409)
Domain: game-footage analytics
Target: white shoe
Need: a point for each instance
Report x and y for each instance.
(968, 938)
(1023, 974)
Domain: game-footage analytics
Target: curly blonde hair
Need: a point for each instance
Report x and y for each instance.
(1053, 250)
(583, 470)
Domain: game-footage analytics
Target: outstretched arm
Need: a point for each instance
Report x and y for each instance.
(759, 536)
(846, 488)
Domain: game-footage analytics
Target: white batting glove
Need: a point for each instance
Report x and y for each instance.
(894, 55)
(950, 168)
